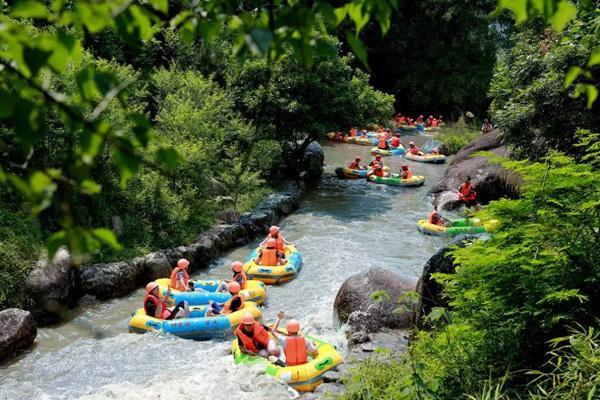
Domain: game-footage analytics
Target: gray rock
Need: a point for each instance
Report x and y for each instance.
(491, 181)
(228, 216)
(110, 280)
(429, 289)
(53, 288)
(156, 265)
(18, 331)
(354, 305)
(312, 162)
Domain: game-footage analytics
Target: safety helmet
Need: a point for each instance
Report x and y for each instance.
(151, 286)
(248, 319)
(358, 158)
(183, 263)
(404, 167)
(233, 287)
(236, 266)
(411, 143)
(292, 326)
(274, 230)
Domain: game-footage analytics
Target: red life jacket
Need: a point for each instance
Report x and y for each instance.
(467, 192)
(379, 172)
(174, 283)
(259, 335)
(354, 165)
(434, 123)
(406, 174)
(295, 350)
(352, 132)
(269, 258)
(382, 143)
(395, 142)
(414, 151)
(157, 302)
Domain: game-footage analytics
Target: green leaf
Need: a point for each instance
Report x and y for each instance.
(55, 241)
(592, 93)
(358, 48)
(127, 163)
(564, 13)
(187, 32)
(29, 9)
(259, 40)
(518, 8)
(141, 127)
(2, 175)
(7, 104)
(35, 59)
(27, 123)
(108, 237)
(90, 187)
(380, 296)
(94, 15)
(168, 156)
(594, 57)
(355, 11)
(90, 144)
(326, 49)
(86, 83)
(571, 75)
(160, 5)
(39, 182)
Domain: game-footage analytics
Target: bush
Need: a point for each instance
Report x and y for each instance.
(455, 137)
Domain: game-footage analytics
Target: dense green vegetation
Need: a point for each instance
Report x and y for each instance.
(149, 135)
(524, 306)
(456, 136)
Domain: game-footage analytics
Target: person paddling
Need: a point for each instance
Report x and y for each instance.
(356, 163)
(405, 172)
(253, 338)
(296, 347)
(468, 196)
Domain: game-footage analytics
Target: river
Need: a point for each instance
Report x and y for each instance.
(342, 227)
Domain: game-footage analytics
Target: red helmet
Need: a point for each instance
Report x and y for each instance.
(271, 243)
(274, 230)
(404, 167)
(151, 286)
(292, 326)
(236, 266)
(233, 287)
(183, 263)
(411, 143)
(358, 158)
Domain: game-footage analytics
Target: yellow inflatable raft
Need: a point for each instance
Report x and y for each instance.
(303, 378)
(274, 274)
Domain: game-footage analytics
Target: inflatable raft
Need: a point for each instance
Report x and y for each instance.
(394, 180)
(459, 226)
(348, 173)
(274, 274)
(386, 153)
(197, 326)
(255, 291)
(427, 158)
(365, 142)
(303, 378)
(407, 128)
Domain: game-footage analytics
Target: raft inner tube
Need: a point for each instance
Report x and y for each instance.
(386, 153)
(427, 158)
(457, 227)
(395, 180)
(349, 173)
(278, 273)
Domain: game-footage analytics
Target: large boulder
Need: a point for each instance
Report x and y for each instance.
(18, 331)
(312, 162)
(53, 288)
(491, 181)
(355, 306)
(430, 291)
(110, 280)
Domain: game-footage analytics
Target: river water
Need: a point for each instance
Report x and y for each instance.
(342, 227)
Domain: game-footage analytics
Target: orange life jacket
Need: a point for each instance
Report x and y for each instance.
(259, 336)
(352, 132)
(295, 350)
(382, 143)
(435, 219)
(354, 165)
(227, 307)
(434, 123)
(157, 302)
(379, 172)
(395, 142)
(279, 241)
(407, 174)
(269, 257)
(174, 283)
(414, 151)
(241, 278)
(466, 189)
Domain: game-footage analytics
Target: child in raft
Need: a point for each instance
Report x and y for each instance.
(235, 303)
(296, 347)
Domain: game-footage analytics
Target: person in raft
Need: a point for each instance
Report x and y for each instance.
(413, 149)
(269, 256)
(435, 151)
(180, 279)
(376, 161)
(235, 303)
(296, 347)
(468, 195)
(239, 276)
(155, 307)
(356, 163)
(419, 120)
(405, 172)
(395, 141)
(435, 218)
(279, 240)
(253, 339)
(382, 142)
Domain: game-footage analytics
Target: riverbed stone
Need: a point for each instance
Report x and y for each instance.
(53, 287)
(355, 306)
(490, 180)
(430, 291)
(228, 216)
(18, 331)
(156, 265)
(110, 280)
(312, 162)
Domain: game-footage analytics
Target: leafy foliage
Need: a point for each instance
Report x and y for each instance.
(456, 137)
